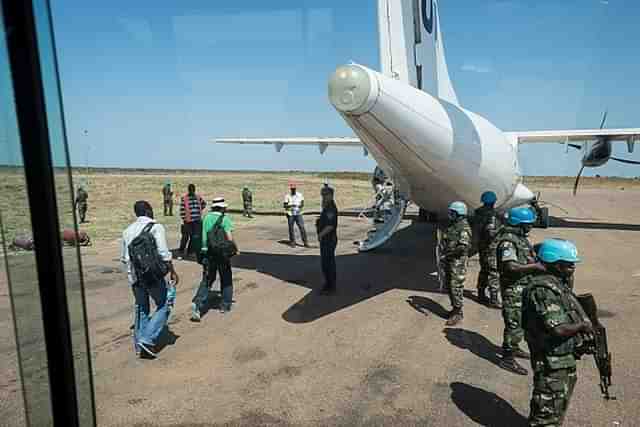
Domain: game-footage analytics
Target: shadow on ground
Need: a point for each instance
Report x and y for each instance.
(557, 222)
(475, 343)
(405, 262)
(485, 408)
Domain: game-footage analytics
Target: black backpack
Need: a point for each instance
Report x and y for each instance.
(147, 263)
(217, 243)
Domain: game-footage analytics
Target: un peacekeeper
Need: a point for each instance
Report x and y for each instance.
(516, 261)
(81, 202)
(167, 198)
(488, 226)
(456, 244)
(553, 321)
(247, 202)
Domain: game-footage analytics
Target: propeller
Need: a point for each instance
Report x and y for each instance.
(575, 184)
(629, 162)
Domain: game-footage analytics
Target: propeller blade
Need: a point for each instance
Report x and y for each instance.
(629, 162)
(604, 119)
(576, 146)
(575, 184)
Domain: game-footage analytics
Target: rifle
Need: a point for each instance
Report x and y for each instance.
(598, 346)
(440, 258)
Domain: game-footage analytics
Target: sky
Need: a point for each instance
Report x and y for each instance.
(150, 83)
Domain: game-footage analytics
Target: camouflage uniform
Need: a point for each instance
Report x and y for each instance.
(547, 303)
(247, 202)
(457, 234)
(81, 203)
(512, 246)
(167, 196)
(488, 226)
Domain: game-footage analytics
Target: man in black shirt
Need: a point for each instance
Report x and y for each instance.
(326, 227)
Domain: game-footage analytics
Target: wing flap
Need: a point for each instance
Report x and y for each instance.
(630, 135)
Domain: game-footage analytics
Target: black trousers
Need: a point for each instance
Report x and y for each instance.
(328, 261)
(191, 240)
(209, 272)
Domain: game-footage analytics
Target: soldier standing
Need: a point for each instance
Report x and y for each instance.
(81, 203)
(516, 261)
(167, 196)
(488, 225)
(247, 202)
(553, 321)
(326, 227)
(456, 244)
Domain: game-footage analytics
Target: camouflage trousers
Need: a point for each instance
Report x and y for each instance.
(247, 208)
(82, 211)
(488, 276)
(552, 390)
(456, 272)
(512, 316)
(168, 207)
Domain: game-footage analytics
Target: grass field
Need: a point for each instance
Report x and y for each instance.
(112, 194)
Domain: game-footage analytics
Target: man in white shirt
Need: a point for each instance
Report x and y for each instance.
(293, 205)
(147, 329)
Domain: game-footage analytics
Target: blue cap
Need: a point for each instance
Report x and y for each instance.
(488, 198)
(553, 250)
(458, 207)
(517, 216)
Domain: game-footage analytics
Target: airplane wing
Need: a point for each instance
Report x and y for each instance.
(279, 143)
(630, 136)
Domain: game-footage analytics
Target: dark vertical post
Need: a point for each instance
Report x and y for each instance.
(24, 59)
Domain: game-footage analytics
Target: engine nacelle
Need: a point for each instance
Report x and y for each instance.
(597, 154)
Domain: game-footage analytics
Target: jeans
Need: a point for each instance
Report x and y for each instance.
(191, 239)
(296, 219)
(328, 261)
(215, 265)
(148, 329)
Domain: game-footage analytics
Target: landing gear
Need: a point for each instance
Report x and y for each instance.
(542, 214)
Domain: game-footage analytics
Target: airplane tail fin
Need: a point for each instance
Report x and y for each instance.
(411, 47)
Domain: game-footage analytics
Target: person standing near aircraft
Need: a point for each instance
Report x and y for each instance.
(326, 227)
(191, 207)
(516, 262)
(487, 225)
(456, 244)
(247, 202)
(81, 203)
(293, 205)
(553, 319)
(167, 198)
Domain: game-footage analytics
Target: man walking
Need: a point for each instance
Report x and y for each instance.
(293, 205)
(145, 252)
(81, 203)
(326, 227)
(554, 325)
(487, 226)
(516, 261)
(191, 207)
(167, 197)
(456, 244)
(215, 259)
(247, 202)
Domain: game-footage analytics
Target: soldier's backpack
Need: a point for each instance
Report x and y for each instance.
(145, 259)
(217, 243)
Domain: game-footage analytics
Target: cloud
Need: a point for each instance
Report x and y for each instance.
(477, 68)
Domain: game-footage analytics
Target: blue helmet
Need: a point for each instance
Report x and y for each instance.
(488, 198)
(553, 250)
(517, 216)
(458, 207)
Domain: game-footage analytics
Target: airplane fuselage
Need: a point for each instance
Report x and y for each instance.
(436, 151)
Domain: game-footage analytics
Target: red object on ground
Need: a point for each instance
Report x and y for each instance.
(70, 237)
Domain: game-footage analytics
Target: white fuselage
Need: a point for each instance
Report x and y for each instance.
(437, 152)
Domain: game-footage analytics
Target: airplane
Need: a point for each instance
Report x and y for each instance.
(409, 118)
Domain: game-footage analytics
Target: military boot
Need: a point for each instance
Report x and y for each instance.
(509, 363)
(482, 295)
(518, 352)
(455, 317)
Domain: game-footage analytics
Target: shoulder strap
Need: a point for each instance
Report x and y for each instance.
(147, 228)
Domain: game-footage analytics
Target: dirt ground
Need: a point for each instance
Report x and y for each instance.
(375, 354)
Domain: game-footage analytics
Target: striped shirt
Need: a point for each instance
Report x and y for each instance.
(191, 207)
